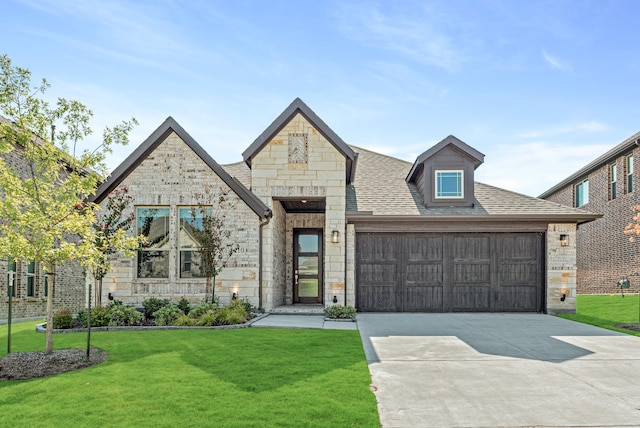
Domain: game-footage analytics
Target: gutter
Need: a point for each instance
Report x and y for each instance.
(363, 216)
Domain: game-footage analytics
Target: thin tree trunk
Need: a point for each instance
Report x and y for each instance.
(49, 333)
(99, 293)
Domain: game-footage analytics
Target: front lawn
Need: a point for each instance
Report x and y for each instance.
(607, 311)
(225, 378)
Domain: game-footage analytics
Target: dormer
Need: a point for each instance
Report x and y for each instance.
(444, 174)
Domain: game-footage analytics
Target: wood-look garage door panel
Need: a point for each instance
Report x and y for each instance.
(427, 272)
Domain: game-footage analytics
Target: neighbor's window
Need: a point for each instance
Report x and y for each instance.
(629, 173)
(153, 255)
(613, 181)
(582, 193)
(12, 269)
(31, 279)
(190, 240)
(449, 184)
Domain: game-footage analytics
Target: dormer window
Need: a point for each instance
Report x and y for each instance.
(449, 184)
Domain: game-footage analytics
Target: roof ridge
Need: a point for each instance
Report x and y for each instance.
(356, 148)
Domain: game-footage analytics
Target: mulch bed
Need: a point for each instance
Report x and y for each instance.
(635, 327)
(31, 365)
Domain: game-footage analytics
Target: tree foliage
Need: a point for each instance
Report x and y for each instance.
(633, 228)
(43, 211)
(210, 230)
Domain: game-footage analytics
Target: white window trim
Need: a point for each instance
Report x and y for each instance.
(435, 187)
(586, 194)
(629, 160)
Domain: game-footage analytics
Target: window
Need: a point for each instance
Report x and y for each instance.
(12, 274)
(190, 240)
(449, 184)
(629, 173)
(613, 181)
(582, 193)
(31, 279)
(153, 256)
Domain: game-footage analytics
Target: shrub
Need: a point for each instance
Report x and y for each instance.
(152, 305)
(184, 306)
(63, 319)
(113, 303)
(100, 317)
(124, 315)
(340, 312)
(184, 321)
(207, 319)
(202, 308)
(236, 315)
(167, 315)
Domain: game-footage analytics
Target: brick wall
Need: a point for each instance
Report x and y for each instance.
(604, 252)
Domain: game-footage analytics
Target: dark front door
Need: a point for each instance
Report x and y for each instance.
(307, 265)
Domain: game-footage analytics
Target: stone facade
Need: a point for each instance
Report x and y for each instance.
(171, 177)
(561, 268)
(604, 252)
(276, 176)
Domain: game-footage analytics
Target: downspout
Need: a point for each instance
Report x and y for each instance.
(266, 221)
(345, 262)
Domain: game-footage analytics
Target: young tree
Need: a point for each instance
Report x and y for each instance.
(43, 213)
(209, 229)
(633, 228)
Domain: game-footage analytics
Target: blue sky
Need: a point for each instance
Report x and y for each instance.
(540, 87)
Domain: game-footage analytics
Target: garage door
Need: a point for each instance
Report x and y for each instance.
(470, 272)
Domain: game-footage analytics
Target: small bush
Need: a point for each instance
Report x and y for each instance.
(167, 315)
(202, 308)
(340, 312)
(100, 317)
(152, 305)
(207, 319)
(184, 321)
(184, 306)
(63, 319)
(124, 316)
(113, 303)
(237, 315)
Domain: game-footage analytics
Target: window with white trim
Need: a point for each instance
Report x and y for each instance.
(629, 180)
(31, 279)
(582, 193)
(449, 184)
(153, 254)
(613, 181)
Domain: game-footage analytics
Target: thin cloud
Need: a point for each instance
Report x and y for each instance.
(555, 62)
(578, 128)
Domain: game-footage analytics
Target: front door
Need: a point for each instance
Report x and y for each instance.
(307, 265)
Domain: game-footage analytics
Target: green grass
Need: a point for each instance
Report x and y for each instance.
(224, 378)
(606, 311)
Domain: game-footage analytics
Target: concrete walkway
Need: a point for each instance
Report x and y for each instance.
(499, 370)
(303, 321)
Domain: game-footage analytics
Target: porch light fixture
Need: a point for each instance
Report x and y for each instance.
(235, 296)
(563, 294)
(110, 296)
(335, 299)
(564, 240)
(335, 237)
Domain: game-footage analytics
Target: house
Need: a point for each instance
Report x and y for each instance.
(321, 222)
(608, 186)
(30, 288)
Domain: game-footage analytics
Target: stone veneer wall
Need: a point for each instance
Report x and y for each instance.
(561, 269)
(69, 287)
(323, 176)
(351, 265)
(171, 176)
(604, 252)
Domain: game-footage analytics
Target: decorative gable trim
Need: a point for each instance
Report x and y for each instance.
(152, 142)
(298, 106)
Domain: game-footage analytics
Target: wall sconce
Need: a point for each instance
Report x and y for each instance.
(235, 296)
(564, 240)
(110, 296)
(335, 299)
(335, 237)
(563, 292)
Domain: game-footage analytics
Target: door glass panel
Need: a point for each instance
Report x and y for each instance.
(308, 287)
(308, 243)
(307, 265)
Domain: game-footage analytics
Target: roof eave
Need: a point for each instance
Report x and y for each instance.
(358, 216)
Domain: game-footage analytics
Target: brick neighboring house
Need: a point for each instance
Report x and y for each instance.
(30, 285)
(609, 186)
(321, 222)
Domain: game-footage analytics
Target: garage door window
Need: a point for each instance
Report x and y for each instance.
(449, 184)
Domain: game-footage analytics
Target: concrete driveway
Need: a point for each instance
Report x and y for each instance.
(500, 370)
